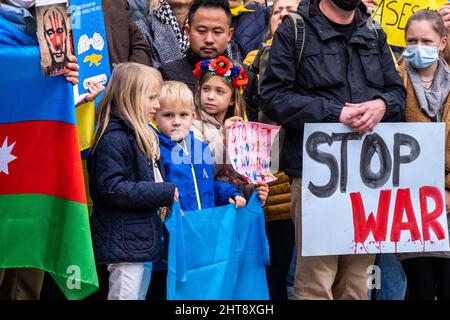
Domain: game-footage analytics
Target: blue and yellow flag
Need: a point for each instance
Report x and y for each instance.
(218, 253)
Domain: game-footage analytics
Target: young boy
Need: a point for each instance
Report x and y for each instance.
(187, 162)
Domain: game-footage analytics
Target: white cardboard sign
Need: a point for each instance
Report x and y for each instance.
(377, 193)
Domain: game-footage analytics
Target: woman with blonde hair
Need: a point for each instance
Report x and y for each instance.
(125, 183)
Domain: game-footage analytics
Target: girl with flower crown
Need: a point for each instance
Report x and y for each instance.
(219, 104)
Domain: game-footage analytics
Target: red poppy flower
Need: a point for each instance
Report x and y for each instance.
(241, 80)
(221, 65)
(198, 70)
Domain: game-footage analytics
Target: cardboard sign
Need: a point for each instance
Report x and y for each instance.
(249, 147)
(90, 44)
(393, 15)
(378, 193)
(54, 33)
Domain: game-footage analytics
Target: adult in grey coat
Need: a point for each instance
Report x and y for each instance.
(164, 30)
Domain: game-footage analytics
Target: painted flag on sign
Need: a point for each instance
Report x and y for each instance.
(44, 220)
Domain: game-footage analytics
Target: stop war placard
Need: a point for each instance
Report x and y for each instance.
(377, 193)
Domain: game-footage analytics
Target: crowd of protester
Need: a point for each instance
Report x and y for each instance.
(167, 89)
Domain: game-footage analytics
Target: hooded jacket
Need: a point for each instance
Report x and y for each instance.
(190, 166)
(250, 27)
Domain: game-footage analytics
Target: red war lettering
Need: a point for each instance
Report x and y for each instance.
(403, 204)
(429, 219)
(377, 226)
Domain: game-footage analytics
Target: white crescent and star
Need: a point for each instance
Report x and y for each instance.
(5, 156)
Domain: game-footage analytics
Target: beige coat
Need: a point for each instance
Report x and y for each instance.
(413, 113)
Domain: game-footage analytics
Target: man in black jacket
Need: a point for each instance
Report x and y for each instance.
(346, 74)
(209, 33)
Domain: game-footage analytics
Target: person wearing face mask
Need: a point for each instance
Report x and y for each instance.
(426, 76)
(346, 74)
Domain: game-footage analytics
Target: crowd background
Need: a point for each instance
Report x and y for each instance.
(174, 36)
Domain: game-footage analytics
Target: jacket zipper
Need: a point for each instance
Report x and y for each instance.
(197, 194)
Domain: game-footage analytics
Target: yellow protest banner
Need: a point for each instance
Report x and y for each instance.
(392, 15)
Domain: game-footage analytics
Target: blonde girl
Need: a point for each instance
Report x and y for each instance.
(125, 182)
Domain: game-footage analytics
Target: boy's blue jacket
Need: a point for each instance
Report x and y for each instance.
(190, 166)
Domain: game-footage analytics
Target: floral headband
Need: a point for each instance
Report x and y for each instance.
(223, 67)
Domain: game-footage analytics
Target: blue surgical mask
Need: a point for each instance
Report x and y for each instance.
(421, 57)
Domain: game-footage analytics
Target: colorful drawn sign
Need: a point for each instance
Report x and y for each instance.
(90, 44)
(392, 15)
(249, 147)
(378, 193)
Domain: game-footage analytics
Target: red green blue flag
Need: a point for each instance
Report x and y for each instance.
(44, 221)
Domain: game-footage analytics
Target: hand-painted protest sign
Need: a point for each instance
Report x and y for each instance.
(218, 253)
(249, 147)
(54, 32)
(378, 193)
(392, 15)
(89, 38)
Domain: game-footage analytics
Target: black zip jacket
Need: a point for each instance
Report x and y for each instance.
(331, 73)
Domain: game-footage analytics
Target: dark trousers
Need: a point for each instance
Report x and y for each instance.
(158, 286)
(280, 235)
(21, 283)
(428, 278)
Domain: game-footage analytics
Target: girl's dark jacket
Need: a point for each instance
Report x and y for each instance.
(125, 223)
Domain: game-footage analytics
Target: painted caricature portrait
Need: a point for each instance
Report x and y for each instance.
(54, 39)
(55, 32)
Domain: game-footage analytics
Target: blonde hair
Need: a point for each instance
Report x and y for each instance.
(126, 96)
(176, 93)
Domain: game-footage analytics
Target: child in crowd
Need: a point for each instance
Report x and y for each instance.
(186, 161)
(125, 183)
(426, 76)
(219, 104)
